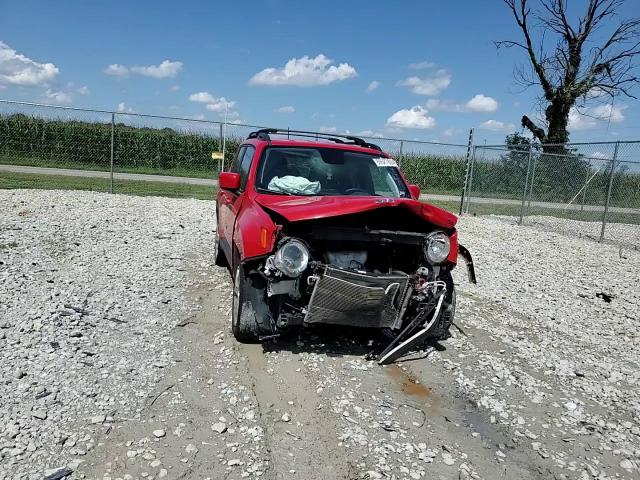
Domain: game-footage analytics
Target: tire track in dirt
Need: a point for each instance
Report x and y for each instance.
(302, 438)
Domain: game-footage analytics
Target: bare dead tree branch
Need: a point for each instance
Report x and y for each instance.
(569, 71)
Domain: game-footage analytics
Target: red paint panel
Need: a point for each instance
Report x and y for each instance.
(298, 208)
(249, 223)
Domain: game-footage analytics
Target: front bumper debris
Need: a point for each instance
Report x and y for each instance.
(417, 331)
(466, 255)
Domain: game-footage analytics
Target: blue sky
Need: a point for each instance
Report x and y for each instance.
(414, 69)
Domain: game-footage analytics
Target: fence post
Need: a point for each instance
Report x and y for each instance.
(113, 127)
(606, 205)
(471, 172)
(526, 184)
(471, 153)
(586, 182)
(533, 176)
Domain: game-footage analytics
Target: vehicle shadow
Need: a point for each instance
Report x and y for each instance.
(337, 341)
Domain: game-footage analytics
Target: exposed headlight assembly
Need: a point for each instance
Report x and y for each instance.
(292, 258)
(437, 247)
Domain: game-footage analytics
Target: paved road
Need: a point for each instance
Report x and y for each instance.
(67, 172)
(214, 183)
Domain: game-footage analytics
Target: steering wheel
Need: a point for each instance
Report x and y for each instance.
(355, 191)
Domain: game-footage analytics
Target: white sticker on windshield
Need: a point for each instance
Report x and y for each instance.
(385, 162)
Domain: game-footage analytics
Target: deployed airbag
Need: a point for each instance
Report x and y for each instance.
(293, 185)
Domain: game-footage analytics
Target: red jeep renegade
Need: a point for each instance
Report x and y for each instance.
(324, 229)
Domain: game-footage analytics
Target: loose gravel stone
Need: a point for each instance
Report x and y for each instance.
(99, 289)
(219, 427)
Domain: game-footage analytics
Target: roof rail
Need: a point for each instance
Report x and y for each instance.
(264, 134)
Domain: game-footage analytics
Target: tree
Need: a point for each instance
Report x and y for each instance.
(586, 61)
(514, 163)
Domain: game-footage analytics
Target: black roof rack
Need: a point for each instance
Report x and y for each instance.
(263, 134)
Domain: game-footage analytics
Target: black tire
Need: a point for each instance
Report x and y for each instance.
(250, 314)
(441, 329)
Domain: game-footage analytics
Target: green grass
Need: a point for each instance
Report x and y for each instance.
(514, 211)
(26, 161)
(53, 182)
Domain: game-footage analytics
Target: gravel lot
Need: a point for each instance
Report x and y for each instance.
(116, 360)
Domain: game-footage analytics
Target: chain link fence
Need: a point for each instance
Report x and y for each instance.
(44, 146)
(579, 187)
(559, 187)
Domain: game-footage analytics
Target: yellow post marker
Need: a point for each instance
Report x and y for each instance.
(220, 157)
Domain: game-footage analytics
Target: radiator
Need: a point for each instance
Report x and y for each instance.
(345, 297)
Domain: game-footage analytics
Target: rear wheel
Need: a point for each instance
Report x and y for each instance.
(250, 314)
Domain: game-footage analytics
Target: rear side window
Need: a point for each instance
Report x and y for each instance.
(245, 165)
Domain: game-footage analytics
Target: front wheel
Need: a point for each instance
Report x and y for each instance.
(219, 257)
(250, 314)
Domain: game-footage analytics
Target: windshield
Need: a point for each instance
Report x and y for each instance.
(328, 171)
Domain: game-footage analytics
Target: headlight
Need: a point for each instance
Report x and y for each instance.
(436, 247)
(292, 258)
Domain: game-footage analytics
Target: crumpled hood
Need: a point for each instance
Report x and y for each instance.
(297, 208)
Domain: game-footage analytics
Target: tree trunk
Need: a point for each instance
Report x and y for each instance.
(557, 114)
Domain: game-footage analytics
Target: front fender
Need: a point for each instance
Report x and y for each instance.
(254, 232)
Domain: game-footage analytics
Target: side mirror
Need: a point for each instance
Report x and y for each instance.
(415, 191)
(229, 180)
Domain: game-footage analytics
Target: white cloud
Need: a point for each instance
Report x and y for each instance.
(16, 69)
(369, 133)
(609, 113)
(479, 103)
(482, 103)
(430, 85)
(174, 88)
(167, 69)
(589, 118)
(415, 117)
(202, 97)
(327, 129)
(372, 86)
(421, 65)
(116, 70)
(305, 72)
(443, 105)
(450, 132)
(220, 105)
(497, 126)
(59, 97)
(122, 108)
(214, 104)
(285, 109)
(83, 90)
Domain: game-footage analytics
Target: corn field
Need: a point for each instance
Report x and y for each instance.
(43, 141)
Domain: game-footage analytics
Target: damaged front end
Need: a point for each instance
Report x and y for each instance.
(349, 271)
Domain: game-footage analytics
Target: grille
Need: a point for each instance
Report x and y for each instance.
(344, 297)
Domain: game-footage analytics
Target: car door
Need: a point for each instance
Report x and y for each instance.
(226, 200)
(231, 201)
